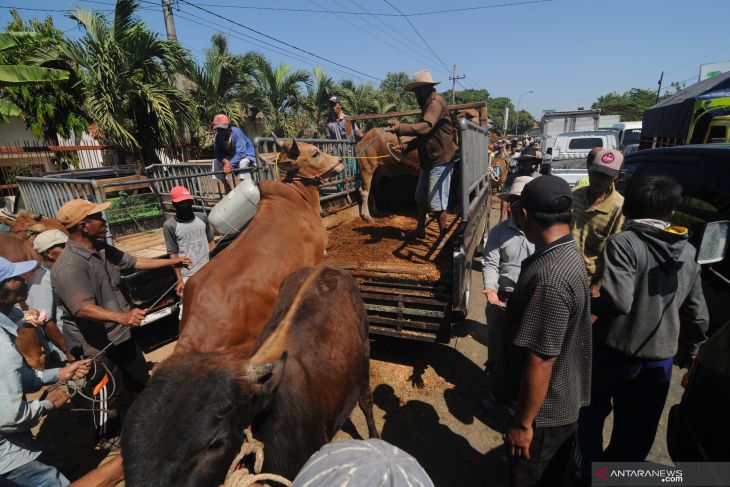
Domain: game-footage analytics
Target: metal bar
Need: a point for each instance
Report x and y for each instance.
(421, 325)
(460, 106)
(379, 330)
(407, 311)
(404, 298)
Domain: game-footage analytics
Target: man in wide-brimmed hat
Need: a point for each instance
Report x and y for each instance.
(437, 150)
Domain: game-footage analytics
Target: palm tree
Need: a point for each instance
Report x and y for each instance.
(361, 99)
(322, 88)
(278, 94)
(20, 74)
(127, 73)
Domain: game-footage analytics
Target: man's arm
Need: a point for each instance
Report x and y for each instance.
(431, 116)
(491, 260)
(93, 312)
(239, 148)
(617, 279)
(533, 389)
(144, 263)
(694, 320)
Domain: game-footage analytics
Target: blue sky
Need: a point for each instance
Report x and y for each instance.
(568, 52)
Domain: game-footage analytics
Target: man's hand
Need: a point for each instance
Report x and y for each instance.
(227, 166)
(57, 396)
(518, 439)
(181, 261)
(133, 317)
(393, 126)
(75, 370)
(35, 317)
(493, 298)
(359, 134)
(69, 357)
(179, 287)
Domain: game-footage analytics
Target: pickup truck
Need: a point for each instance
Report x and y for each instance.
(567, 157)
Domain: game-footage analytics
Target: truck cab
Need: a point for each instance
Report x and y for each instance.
(627, 133)
(719, 131)
(567, 157)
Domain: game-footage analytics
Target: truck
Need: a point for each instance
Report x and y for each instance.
(412, 297)
(567, 157)
(698, 114)
(555, 123)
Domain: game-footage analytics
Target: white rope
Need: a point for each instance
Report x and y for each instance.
(241, 477)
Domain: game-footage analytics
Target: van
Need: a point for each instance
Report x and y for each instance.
(567, 157)
(627, 133)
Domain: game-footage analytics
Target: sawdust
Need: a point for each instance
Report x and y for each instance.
(378, 246)
(407, 383)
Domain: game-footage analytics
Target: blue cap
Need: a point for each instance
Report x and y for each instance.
(9, 269)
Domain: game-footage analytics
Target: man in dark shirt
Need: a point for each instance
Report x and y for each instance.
(437, 150)
(87, 278)
(545, 374)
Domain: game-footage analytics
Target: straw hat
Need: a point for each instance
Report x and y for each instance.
(421, 78)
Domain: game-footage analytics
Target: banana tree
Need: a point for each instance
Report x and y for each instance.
(20, 74)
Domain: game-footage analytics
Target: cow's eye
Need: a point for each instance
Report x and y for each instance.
(216, 445)
(316, 154)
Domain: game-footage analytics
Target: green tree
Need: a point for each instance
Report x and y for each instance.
(630, 105)
(279, 94)
(126, 74)
(525, 121)
(47, 108)
(468, 95)
(391, 91)
(321, 89)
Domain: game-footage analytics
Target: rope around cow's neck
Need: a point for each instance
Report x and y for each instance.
(238, 476)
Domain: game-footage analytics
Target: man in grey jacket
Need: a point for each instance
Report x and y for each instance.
(651, 312)
(18, 449)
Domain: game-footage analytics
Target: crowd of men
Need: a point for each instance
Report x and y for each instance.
(592, 297)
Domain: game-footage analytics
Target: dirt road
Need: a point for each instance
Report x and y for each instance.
(427, 399)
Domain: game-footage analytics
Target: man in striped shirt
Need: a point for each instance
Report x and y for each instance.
(597, 209)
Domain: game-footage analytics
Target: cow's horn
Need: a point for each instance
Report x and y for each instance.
(293, 150)
(255, 373)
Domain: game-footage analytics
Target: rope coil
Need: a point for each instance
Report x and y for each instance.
(239, 476)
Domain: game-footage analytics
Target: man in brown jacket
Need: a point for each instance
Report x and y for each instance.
(437, 150)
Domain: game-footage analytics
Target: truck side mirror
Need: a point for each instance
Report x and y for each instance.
(714, 245)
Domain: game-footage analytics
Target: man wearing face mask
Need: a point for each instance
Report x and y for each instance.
(437, 151)
(187, 233)
(232, 149)
(96, 313)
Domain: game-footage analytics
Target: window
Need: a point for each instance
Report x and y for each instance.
(631, 136)
(717, 135)
(585, 143)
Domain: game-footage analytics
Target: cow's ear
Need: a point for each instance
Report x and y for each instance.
(293, 151)
(265, 377)
(268, 157)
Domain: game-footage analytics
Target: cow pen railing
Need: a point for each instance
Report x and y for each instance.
(44, 196)
(474, 167)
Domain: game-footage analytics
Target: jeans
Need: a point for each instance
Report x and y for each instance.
(243, 163)
(433, 187)
(635, 389)
(34, 474)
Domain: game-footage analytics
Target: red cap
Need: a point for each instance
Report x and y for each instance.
(221, 121)
(180, 193)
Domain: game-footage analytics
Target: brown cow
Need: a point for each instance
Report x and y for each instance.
(503, 165)
(26, 224)
(376, 159)
(227, 302)
(310, 367)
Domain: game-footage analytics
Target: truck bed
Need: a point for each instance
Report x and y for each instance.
(378, 247)
(148, 244)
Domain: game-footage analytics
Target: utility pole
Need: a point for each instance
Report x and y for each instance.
(453, 79)
(169, 21)
(658, 90)
(506, 119)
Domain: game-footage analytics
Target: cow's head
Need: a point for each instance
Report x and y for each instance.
(187, 426)
(300, 159)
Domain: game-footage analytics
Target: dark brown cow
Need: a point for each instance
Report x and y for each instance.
(309, 369)
(376, 159)
(228, 301)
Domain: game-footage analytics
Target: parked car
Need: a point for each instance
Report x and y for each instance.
(567, 156)
(628, 133)
(700, 425)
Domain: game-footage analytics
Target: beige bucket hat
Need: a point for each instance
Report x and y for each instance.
(421, 78)
(517, 186)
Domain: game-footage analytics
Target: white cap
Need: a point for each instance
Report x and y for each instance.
(517, 186)
(48, 239)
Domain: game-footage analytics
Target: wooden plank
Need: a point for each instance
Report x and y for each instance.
(376, 116)
(408, 334)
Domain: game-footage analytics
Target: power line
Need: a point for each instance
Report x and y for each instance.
(243, 37)
(374, 14)
(419, 35)
(281, 42)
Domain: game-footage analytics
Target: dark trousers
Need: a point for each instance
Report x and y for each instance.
(636, 390)
(549, 458)
(130, 374)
